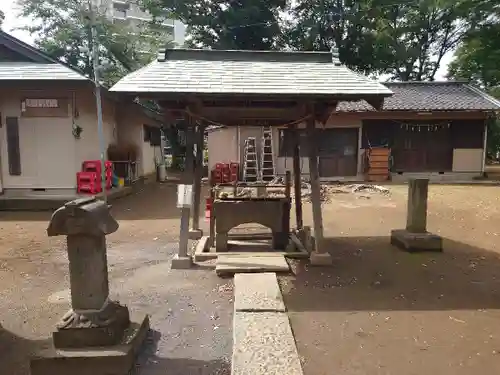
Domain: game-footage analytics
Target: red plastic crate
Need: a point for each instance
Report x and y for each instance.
(87, 182)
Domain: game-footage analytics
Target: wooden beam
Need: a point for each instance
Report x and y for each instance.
(319, 256)
(297, 177)
(323, 111)
(414, 115)
(198, 175)
(187, 179)
(376, 103)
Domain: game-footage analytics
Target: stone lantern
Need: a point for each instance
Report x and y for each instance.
(94, 325)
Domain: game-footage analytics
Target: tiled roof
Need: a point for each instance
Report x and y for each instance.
(248, 72)
(18, 71)
(428, 96)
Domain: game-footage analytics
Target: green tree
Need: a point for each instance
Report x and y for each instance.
(226, 24)
(405, 39)
(62, 29)
(477, 58)
(2, 18)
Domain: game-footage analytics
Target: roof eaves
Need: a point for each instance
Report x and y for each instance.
(34, 53)
(29, 51)
(484, 95)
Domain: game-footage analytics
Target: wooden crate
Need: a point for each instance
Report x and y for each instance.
(378, 164)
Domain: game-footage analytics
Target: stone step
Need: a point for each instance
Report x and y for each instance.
(263, 343)
(257, 292)
(228, 265)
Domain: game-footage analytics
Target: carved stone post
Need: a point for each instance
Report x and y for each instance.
(94, 323)
(415, 237)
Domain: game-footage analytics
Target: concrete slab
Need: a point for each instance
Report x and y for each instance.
(181, 263)
(203, 252)
(248, 263)
(264, 344)
(195, 234)
(257, 292)
(416, 242)
(112, 360)
(320, 259)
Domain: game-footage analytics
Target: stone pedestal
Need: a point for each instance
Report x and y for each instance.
(414, 242)
(320, 259)
(273, 213)
(195, 234)
(95, 332)
(415, 237)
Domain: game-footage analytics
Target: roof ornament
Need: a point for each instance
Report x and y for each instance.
(162, 55)
(335, 56)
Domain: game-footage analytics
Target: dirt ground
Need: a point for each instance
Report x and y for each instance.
(191, 311)
(379, 310)
(376, 311)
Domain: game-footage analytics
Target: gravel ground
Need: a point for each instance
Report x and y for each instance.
(379, 310)
(191, 311)
(376, 311)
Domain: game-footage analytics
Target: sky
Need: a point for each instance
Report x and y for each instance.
(12, 21)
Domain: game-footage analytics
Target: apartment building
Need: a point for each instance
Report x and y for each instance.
(129, 13)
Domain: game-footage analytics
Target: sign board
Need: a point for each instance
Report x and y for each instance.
(184, 196)
(42, 103)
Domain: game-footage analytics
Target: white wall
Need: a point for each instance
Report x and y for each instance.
(468, 160)
(148, 156)
(47, 138)
(222, 146)
(50, 154)
(131, 121)
(87, 147)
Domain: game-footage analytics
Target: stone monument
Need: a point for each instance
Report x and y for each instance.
(415, 237)
(96, 335)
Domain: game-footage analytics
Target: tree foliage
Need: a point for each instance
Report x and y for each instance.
(476, 60)
(62, 29)
(2, 18)
(226, 24)
(404, 39)
(477, 57)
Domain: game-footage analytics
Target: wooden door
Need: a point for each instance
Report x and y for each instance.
(424, 148)
(338, 152)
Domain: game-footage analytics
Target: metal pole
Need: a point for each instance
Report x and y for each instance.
(95, 65)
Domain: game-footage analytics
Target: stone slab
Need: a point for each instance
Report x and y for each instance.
(181, 263)
(110, 360)
(203, 252)
(415, 242)
(263, 343)
(257, 292)
(320, 259)
(195, 234)
(248, 263)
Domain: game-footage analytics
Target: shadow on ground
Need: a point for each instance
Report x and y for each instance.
(150, 201)
(369, 274)
(16, 352)
(150, 363)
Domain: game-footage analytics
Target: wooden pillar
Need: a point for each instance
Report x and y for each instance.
(319, 256)
(195, 233)
(182, 260)
(297, 181)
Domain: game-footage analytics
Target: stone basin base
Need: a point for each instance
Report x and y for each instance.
(273, 213)
(106, 360)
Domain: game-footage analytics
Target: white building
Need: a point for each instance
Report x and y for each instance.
(129, 13)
